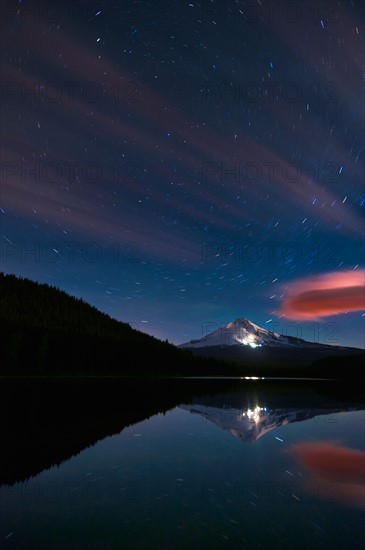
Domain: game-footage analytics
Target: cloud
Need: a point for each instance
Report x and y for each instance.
(327, 294)
(337, 473)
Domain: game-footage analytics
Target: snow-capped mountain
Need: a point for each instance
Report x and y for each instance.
(243, 332)
(263, 352)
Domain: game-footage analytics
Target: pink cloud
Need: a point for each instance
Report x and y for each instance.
(327, 294)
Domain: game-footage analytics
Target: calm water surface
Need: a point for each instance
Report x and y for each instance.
(246, 465)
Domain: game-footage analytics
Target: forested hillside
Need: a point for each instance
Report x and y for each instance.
(46, 331)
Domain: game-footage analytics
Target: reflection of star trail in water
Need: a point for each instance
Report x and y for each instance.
(178, 163)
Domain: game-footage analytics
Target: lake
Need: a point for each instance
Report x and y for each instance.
(186, 464)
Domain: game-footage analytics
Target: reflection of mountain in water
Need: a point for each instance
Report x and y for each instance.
(43, 423)
(251, 424)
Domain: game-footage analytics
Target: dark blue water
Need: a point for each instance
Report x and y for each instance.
(275, 466)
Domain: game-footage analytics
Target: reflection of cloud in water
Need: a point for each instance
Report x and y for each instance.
(338, 473)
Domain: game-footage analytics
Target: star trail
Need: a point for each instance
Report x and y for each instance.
(180, 164)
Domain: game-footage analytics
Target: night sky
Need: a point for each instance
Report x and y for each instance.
(180, 164)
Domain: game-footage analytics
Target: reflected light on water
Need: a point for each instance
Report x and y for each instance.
(254, 414)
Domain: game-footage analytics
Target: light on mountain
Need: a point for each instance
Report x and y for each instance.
(253, 345)
(249, 340)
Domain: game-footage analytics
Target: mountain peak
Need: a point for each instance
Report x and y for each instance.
(241, 331)
(244, 322)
